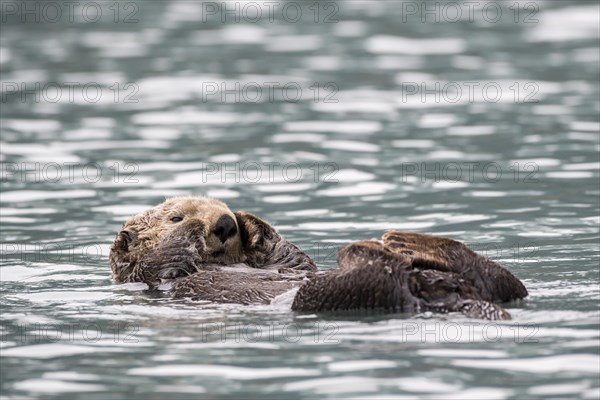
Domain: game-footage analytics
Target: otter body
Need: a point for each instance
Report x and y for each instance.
(213, 254)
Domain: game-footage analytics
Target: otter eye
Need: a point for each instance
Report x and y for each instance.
(176, 219)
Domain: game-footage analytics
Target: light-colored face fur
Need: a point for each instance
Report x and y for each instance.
(193, 217)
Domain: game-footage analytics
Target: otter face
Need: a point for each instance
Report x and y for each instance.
(207, 223)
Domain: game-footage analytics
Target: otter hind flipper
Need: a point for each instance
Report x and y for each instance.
(429, 251)
(367, 252)
(449, 292)
(494, 282)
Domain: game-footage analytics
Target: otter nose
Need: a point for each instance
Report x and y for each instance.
(225, 228)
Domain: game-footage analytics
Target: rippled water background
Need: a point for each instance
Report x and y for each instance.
(483, 128)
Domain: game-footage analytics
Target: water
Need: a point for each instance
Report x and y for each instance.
(502, 153)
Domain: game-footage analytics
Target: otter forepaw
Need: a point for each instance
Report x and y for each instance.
(176, 258)
(256, 234)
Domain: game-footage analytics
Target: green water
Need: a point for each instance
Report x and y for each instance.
(333, 124)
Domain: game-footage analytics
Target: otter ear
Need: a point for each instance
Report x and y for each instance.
(253, 230)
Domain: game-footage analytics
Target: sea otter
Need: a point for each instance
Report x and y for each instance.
(210, 253)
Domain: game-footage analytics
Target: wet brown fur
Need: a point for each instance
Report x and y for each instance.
(406, 272)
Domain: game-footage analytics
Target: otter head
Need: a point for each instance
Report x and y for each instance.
(205, 223)
(176, 238)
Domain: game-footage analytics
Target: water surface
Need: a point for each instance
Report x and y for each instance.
(334, 127)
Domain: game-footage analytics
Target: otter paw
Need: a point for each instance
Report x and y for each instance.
(176, 258)
(255, 233)
(186, 233)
